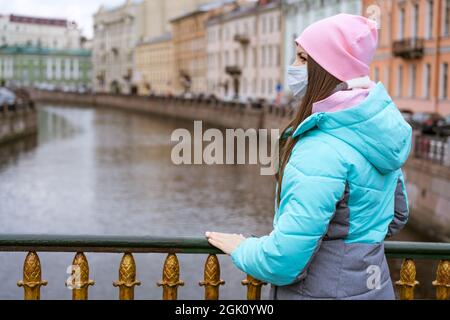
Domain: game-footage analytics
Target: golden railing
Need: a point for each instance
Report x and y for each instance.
(170, 282)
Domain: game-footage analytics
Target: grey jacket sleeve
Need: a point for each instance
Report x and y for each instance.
(401, 208)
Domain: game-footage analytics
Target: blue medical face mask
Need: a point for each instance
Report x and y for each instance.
(297, 80)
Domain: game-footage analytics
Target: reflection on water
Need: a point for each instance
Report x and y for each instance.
(108, 172)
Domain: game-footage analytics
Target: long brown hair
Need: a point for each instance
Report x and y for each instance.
(321, 85)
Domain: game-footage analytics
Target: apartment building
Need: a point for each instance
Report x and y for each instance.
(244, 52)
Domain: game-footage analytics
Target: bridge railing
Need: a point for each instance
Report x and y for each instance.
(432, 148)
(32, 274)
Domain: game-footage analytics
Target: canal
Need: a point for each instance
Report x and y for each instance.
(109, 172)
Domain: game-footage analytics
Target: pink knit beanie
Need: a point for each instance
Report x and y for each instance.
(343, 44)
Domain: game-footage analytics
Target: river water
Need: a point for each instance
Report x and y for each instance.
(109, 172)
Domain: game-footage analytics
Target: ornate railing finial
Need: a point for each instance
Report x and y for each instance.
(32, 277)
(171, 278)
(212, 280)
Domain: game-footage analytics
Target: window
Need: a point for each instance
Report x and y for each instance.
(426, 80)
(415, 20)
(263, 86)
(447, 18)
(387, 78)
(245, 54)
(380, 28)
(263, 58)
(412, 77)
(399, 81)
(278, 56)
(401, 23)
(269, 59)
(376, 74)
(429, 25)
(255, 58)
(37, 73)
(444, 81)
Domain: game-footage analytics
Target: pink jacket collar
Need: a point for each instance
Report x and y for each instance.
(342, 100)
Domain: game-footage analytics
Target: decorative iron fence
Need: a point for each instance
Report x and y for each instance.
(32, 274)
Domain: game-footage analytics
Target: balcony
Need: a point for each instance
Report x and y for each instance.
(170, 283)
(101, 78)
(115, 51)
(412, 48)
(128, 76)
(243, 39)
(233, 71)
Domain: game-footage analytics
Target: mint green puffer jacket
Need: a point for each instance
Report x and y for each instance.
(343, 192)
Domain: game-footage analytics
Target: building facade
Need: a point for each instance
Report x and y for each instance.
(413, 57)
(154, 65)
(299, 14)
(190, 52)
(116, 33)
(18, 30)
(189, 45)
(159, 13)
(30, 65)
(244, 50)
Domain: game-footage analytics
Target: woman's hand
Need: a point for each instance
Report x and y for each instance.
(225, 241)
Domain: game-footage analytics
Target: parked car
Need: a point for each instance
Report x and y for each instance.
(7, 97)
(443, 128)
(81, 88)
(407, 115)
(427, 121)
(47, 87)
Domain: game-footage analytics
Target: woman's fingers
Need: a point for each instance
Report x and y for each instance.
(216, 244)
(219, 235)
(216, 234)
(226, 242)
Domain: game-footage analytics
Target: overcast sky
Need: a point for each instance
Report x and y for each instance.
(80, 11)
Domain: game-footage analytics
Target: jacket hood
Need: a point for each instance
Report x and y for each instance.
(374, 127)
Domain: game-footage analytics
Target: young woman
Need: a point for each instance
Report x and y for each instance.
(340, 190)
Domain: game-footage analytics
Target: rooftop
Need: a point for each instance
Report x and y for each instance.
(109, 7)
(204, 8)
(250, 8)
(41, 21)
